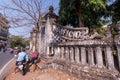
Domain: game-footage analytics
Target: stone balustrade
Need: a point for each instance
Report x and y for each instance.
(83, 50)
(87, 55)
(79, 46)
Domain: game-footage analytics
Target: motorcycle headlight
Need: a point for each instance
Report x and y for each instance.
(20, 67)
(27, 59)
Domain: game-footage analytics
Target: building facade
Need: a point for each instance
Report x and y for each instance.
(3, 31)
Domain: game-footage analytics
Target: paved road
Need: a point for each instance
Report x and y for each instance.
(4, 58)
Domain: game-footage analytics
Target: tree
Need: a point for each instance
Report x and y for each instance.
(81, 12)
(114, 11)
(16, 41)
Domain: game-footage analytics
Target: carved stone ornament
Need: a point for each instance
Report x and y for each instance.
(73, 34)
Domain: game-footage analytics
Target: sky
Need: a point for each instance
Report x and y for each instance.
(23, 31)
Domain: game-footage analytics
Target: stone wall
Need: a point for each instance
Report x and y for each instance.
(77, 45)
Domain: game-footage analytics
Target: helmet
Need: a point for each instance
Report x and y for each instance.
(23, 49)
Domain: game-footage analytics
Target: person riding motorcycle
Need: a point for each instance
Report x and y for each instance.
(20, 58)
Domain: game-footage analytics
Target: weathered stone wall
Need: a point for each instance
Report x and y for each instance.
(79, 46)
(92, 55)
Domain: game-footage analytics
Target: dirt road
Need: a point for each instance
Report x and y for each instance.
(46, 74)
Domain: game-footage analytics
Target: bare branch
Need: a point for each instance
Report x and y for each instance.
(27, 13)
(20, 6)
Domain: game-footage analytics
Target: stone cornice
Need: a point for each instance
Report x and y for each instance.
(86, 43)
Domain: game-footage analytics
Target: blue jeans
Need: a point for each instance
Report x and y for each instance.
(33, 60)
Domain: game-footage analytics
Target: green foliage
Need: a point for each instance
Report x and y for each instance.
(89, 11)
(100, 30)
(67, 13)
(113, 32)
(96, 4)
(16, 41)
(114, 10)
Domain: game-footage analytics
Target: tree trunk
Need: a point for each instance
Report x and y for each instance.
(80, 21)
(78, 11)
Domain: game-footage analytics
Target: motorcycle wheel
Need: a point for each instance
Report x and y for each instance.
(23, 72)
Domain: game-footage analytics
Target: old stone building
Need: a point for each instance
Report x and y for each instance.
(3, 31)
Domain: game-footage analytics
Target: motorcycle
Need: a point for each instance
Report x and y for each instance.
(22, 67)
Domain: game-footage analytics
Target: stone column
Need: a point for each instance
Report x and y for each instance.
(72, 54)
(77, 54)
(99, 58)
(118, 50)
(83, 55)
(31, 40)
(67, 54)
(42, 39)
(91, 57)
(34, 40)
(62, 53)
(117, 40)
(109, 57)
(48, 36)
(57, 52)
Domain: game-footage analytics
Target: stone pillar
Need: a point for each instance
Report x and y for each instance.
(34, 40)
(77, 54)
(57, 52)
(118, 50)
(62, 53)
(72, 54)
(117, 40)
(67, 54)
(91, 57)
(31, 40)
(83, 55)
(99, 58)
(42, 39)
(48, 36)
(109, 57)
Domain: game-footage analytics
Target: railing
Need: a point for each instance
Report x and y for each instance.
(84, 50)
